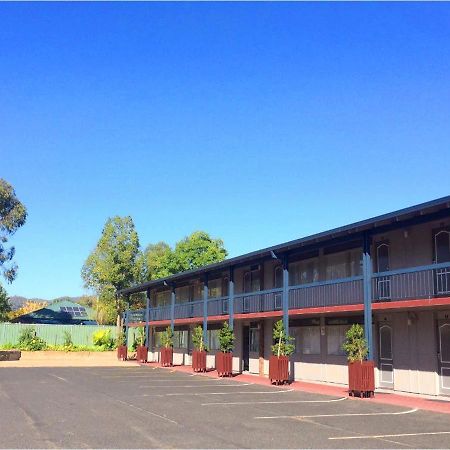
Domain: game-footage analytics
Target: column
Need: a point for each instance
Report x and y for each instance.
(205, 310)
(286, 295)
(231, 298)
(367, 284)
(147, 320)
(172, 308)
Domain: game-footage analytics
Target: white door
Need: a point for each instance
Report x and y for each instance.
(444, 356)
(386, 358)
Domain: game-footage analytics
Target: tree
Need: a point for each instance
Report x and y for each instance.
(154, 262)
(197, 339)
(111, 266)
(355, 344)
(28, 307)
(282, 346)
(13, 215)
(226, 338)
(5, 307)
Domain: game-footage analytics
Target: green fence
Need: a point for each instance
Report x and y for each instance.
(53, 334)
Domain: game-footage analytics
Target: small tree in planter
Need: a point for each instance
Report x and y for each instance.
(361, 377)
(121, 346)
(224, 358)
(281, 350)
(141, 349)
(199, 352)
(167, 347)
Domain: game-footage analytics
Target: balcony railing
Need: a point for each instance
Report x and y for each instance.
(218, 306)
(189, 309)
(268, 300)
(327, 293)
(160, 313)
(417, 282)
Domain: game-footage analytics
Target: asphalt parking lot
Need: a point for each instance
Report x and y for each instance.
(142, 407)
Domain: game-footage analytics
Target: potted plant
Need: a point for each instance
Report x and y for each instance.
(224, 358)
(141, 348)
(167, 347)
(361, 373)
(199, 352)
(121, 346)
(281, 350)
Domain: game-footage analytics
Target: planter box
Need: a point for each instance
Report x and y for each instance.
(361, 378)
(279, 369)
(10, 355)
(199, 361)
(224, 364)
(166, 359)
(122, 352)
(141, 353)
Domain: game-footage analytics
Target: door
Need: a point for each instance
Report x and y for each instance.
(246, 348)
(386, 358)
(444, 356)
(442, 255)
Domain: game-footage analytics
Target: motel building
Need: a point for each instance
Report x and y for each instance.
(390, 274)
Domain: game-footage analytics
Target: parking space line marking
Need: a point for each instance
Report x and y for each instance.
(273, 402)
(231, 393)
(59, 378)
(192, 385)
(398, 413)
(146, 411)
(379, 436)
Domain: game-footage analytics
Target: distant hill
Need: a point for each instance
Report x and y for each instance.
(17, 301)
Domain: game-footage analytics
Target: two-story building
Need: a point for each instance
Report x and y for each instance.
(390, 273)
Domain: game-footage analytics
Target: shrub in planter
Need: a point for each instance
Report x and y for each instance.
(224, 358)
(199, 352)
(361, 373)
(121, 346)
(281, 350)
(141, 348)
(167, 347)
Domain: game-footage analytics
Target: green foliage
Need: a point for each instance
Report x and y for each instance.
(120, 339)
(355, 344)
(102, 338)
(197, 339)
(167, 337)
(28, 341)
(226, 338)
(13, 215)
(140, 336)
(5, 307)
(154, 262)
(282, 346)
(67, 339)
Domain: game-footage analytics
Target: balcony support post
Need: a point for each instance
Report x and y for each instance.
(172, 307)
(147, 319)
(286, 295)
(231, 298)
(126, 319)
(367, 284)
(205, 311)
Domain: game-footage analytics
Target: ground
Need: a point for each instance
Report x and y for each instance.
(139, 407)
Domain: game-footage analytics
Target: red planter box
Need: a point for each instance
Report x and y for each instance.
(224, 364)
(166, 359)
(199, 361)
(279, 369)
(361, 378)
(141, 353)
(122, 352)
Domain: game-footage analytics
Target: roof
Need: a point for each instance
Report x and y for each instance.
(60, 312)
(440, 205)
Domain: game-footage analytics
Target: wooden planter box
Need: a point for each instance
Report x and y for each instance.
(279, 369)
(199, 361)
(166, 359)
(361, 378)
(224, 364)
(141, 353)
(122, 352)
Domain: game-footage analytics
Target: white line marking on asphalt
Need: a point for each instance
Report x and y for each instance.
(191, 385)
(59, 378)
(398, 413)
(378, 436)
(273, 402)
(231, 393)
(146, 411)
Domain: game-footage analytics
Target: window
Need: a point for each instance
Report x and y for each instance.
(278, 277)
(197, 291)
(213, 339)
(215, 288)
(254, 339)
(157, 339)
(383, 257)
(180, 339)
(303, 272)
(335, 339)
(442, 246)
(343, 264)
(252, 280)
(309, 338)
(182, 294)
(162, 298)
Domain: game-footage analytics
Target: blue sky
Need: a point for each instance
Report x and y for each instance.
(258, 123)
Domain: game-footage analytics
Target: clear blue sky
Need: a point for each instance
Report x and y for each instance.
(258, 123)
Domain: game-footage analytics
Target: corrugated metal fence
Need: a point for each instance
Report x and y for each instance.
(53, 334)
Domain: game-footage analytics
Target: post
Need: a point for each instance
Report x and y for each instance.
(231, 298)
(286, 295)
(172, 308)
(147, 320)
(205, 311)
(126, 328)
(367, 283)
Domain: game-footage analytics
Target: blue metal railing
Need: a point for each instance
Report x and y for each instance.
(218, 306)
(189, 309)
(160, 313)
(261, 301)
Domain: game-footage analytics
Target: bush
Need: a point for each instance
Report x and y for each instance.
(102, 338)
(28, 341)
(197, 339)
(167, 337)
(282, 346)
(226, 338)
(355, 345)
(68, 339)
